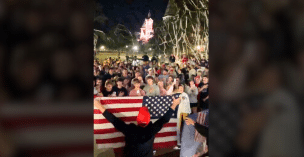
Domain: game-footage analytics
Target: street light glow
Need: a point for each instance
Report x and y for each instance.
(127, 46)
(102, 47)
(198, 47)
(150, 49)
(135, 47)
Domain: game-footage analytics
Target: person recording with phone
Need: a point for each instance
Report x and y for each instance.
(137, 91)
(192, 91)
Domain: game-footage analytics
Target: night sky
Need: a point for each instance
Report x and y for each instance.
(131, 13)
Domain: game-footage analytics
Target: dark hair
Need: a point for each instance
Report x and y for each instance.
(166, 70)
(181, 85)
(120, 79)
(136, 81)
(205, 76)
(149, 77)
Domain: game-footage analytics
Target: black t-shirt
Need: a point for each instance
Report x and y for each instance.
(204, 93)
(106, 93)
(172, 59)
(200, 85)
(107, 76)
(123, 89)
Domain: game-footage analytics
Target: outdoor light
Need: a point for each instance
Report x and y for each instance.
(102, 47)
(198, 47)
(135, 48)
(150, 49)
(127, 46)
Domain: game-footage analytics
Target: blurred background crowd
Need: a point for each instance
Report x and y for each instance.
(256, 78)
(46, 73)
(149, 77)
(46, 49)
(256, 71)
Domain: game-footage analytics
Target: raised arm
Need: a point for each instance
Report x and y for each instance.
(203, 130)
(157, 92)
(118, 123)
(157, 126)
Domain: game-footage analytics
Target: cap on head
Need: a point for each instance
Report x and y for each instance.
(143, 118)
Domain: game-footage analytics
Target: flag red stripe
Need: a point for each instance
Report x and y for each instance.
(161, 145)
(121, 101)
(121, 138)
(164, 134)
(110, 140)
(125, 119)
(117, 110)
(170, 125)
(105, 131)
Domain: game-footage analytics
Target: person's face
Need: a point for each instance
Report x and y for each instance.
(177, 81)
(205, 80)
(150, 72)
(150, 82)
(181, 89)
(164, 72)
(119, 83)
(161, 84)
(111, 71)
(137, 75)
(197, 81)
(199, 73)
(191, 83)
(126, 81)
(109, 87)
(98, 82)
(140, 78)
(125, 72)
(170, 79)
(137, 85)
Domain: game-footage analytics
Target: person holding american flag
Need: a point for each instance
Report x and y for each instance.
(139, 138)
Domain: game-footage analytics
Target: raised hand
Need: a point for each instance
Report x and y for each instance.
(189, 121)
(121, 94)
(99, 106)
(175, 102)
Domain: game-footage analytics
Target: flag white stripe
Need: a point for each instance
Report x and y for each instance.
(119, 134)
(110, 125)
(121, 144)
(129, 105)
(116, 98)
(111, 145)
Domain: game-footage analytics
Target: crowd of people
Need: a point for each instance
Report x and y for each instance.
(117, 78)
(144, 77)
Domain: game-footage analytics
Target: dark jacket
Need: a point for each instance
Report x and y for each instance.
(139, 140)
(172, 59)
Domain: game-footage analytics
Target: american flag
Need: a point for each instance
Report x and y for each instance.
(127, 108)
(51, 129)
